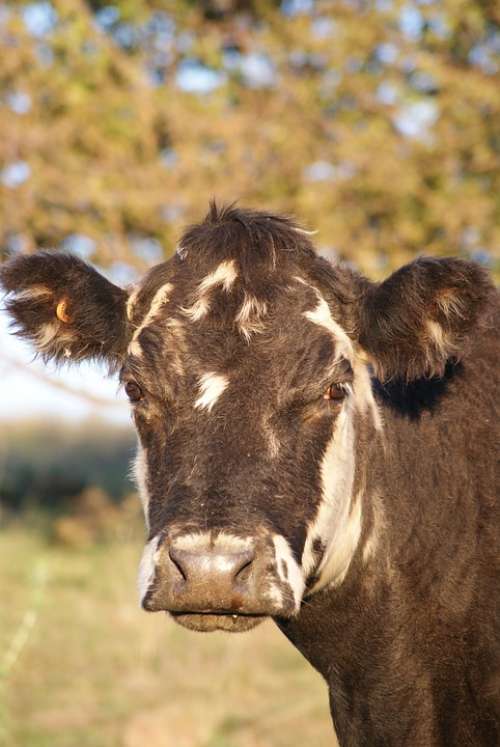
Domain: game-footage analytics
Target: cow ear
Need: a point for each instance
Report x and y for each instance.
(65, 308)
(422, 316)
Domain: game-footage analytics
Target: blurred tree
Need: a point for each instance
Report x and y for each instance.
(375, 122)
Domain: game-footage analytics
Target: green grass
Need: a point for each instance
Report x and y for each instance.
(82, 666)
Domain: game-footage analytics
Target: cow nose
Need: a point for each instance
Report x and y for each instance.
(210, 579)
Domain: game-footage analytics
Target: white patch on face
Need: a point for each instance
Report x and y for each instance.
(321, 315)
(201, 541)
(140, 474)
(147, 567)
(249, 317)
(337, 560)
(231, 541)
(338, 522)
(181, 251)
(363, 393)
(276, 596)
(361, 388)
(211, 386)
(294, 576)
(159, 299)
(135, 348)
(225, 274)
(192, 540)
(198, 310)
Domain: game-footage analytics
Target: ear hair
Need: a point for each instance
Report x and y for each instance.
(66, 308)
(421, 316)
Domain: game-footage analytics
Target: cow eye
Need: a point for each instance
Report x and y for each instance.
(336, 392)
(134, 391)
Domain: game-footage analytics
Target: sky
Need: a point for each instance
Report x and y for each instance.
(22, 395)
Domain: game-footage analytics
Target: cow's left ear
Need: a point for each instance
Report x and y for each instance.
(65, 308)
(421, 316)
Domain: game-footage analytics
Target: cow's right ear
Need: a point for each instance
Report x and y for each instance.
(422, 316)
(65, 308)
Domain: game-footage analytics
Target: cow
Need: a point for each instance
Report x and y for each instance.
(314, 448)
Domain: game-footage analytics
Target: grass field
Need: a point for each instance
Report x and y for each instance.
(82, 666)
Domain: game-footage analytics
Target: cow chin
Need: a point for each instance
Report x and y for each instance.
(208, 622)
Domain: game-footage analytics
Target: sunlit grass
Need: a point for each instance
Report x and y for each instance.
(88, 668)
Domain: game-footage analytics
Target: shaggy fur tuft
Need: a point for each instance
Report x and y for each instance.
(97, 326)
(421, 317)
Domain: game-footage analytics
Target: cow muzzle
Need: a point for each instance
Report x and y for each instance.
(222, 583)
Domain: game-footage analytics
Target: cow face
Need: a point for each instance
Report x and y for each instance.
(244, 358)
(246, 389)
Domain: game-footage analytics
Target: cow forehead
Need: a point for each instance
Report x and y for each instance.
(218, 319)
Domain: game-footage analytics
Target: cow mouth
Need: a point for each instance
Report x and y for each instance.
(207, 622)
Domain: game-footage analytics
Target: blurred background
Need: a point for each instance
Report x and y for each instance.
(375, 123)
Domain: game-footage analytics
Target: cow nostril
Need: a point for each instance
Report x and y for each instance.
(243, 574)
(177, 564)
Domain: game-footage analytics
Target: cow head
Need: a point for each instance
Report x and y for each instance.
(248, 360)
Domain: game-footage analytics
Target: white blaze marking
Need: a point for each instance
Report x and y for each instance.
(211, 387)
(321, 315)
(208, 563)
(338, 522)
(203, 540)
(147, 567)
(275, 595)
(343, 544)
(362, 388)
(363, 393)
(160, 297)
(294, 576)
(231, 541)
(192, 540)
(249, 317)
(140, 474)
(225, 274)
(198, 310)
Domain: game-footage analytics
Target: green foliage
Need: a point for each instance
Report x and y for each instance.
(376, 123)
